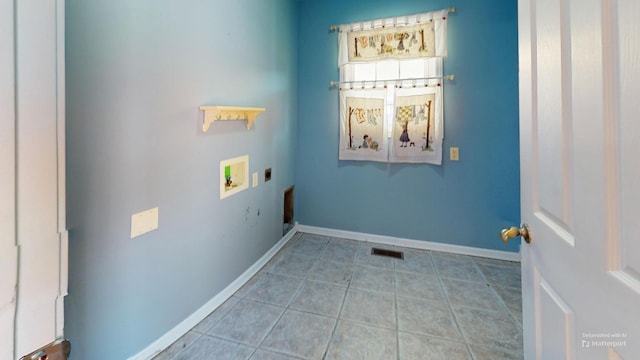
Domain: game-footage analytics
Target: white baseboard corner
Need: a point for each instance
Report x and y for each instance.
(416, 244)
(194, 319)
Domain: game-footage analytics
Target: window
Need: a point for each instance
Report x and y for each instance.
(390, 89)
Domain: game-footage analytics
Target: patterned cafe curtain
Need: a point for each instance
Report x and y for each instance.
(363, 134)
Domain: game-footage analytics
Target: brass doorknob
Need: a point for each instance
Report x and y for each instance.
(514, 232)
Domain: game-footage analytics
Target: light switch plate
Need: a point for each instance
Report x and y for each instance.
(255, 179)
(454, 154)
(143, 222)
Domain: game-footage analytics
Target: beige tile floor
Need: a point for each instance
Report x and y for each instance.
(329, 298)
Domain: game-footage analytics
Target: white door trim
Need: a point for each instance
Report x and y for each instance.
(8, 248)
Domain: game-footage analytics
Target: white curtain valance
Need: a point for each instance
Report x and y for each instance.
(405, 37)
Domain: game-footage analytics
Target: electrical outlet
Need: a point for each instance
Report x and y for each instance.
(255, 179)
(454, 154)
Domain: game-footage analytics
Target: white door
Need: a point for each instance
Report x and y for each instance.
(580, 171)
(33, 237)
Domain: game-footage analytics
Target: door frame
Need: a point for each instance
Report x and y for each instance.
(8, 246)
(20, 139)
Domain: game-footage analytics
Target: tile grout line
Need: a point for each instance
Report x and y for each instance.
(293, 297)
(183, 349)
(453, 315)
(335, 325)
(263, 270)
(504, 305)
(476, 264)
(213, 336)
(202, 333)
(344, 299)
(489, 284)
(395, 301)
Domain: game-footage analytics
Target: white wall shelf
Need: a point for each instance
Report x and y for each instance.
(213, 113)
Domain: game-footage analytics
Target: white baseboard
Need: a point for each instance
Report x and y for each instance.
(194, 319)
(416, 244)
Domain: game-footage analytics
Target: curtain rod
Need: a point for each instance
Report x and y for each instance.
(333, 84)
(336, 27)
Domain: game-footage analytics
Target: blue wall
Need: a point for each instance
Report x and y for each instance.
(137, 71)
(461, 203)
